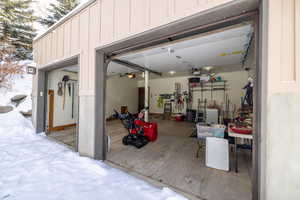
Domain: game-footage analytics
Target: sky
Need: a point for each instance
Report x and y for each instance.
(40, 8)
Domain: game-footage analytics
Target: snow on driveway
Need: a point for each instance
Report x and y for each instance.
(35, 168)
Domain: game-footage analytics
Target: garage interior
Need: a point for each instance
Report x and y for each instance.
(200, 94)
(62, 105)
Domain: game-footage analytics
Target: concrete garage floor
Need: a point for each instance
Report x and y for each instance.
(171, 160)
(66, 136)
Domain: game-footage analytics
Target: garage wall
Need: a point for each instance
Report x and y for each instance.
(121, 92)
(63, 116)
(236, 80)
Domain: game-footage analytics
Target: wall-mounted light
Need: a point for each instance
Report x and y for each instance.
(31, 70)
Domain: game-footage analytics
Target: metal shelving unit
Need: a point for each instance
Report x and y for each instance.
(207, 86)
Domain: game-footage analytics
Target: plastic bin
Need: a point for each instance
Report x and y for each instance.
(218, 130)
(203, 131)
(210, 131)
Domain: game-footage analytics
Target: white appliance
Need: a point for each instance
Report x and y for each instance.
(212, 116)
(217, 153)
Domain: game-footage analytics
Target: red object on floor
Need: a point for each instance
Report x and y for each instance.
(179, 118)
(150, 131)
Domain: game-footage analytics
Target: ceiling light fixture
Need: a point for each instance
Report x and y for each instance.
(208, 68)
(172, 72)
(130, 75)
(170, 50)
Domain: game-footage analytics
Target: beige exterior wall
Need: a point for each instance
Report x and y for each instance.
(107, 21)
(101, 23)
(281, 100)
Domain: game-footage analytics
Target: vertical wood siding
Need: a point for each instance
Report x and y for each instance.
(84, 53)
(94, 40)
(106, 21)
(284, 65)
(139, 18)
(75, 36)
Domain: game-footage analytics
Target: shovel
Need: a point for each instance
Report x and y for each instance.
(65, 79)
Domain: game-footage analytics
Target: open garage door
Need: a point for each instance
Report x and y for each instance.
(201, 98)
(62, 105)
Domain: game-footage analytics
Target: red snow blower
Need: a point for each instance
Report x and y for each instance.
(140, 132)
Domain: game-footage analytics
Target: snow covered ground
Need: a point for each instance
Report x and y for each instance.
(21, 84)
(33, 167)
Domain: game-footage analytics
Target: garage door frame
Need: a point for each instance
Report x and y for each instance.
(42, 96)
(104, 54)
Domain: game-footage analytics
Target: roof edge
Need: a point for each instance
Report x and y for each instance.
(75, 11)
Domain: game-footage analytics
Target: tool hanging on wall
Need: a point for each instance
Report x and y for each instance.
(178, 97)
(160, 102)
(73, 94)
(59, 90)
(65, 79)
(69, 88)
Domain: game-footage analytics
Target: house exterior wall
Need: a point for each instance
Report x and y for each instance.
(281, 100)
(100, 23)
(107, 21)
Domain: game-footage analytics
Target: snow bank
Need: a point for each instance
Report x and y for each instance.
(33, 167)
(21, 84)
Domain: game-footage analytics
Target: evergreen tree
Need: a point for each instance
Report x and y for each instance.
(57, 11)
(16, 27)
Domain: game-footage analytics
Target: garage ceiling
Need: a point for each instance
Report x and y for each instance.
(219, 49)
